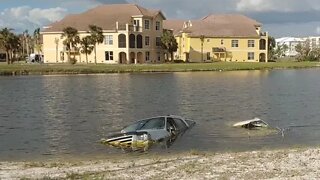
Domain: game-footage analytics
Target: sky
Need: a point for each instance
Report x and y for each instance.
(279, 17)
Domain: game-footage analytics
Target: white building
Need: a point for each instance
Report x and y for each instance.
(314, 41)
(291, 43)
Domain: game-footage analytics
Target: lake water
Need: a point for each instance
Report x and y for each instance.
(53, 116)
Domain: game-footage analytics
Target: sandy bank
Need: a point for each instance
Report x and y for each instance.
(276, 164)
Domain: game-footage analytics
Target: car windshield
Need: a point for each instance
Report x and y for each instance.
(154, 123)
(135, 126)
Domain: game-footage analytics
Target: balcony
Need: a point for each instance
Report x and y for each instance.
(218, 49)
(122, 27)
(134, 28)
(130, 28)
(263, 33)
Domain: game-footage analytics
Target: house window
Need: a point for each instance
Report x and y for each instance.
(234, 43)
(132, 41)
(250, 43)
(109, 55)
(139, 41)
(146, 24)
(208, 56)
(250, 55)
(147, 56)
(159, 56)
(158, 41)
(108, 40)
(136, 24)
(158, 25)
(147, 41)
(221, 42)
(122, 42)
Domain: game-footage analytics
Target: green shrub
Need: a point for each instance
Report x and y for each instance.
(73, 60)
(178, 61)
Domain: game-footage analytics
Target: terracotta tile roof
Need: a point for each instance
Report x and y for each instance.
(175, 25)
(230, 25)
(104, 16)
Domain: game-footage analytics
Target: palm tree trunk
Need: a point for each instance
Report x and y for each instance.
(56, 52)
(87, 58)
(201, 51)
(7, 57)
(171, 56)
(69, 55)
(27, 47)
(95, 54)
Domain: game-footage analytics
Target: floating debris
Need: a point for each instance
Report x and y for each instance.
(252, 124)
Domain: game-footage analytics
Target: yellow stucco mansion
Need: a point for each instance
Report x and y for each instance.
(133, 35)
(235, 38)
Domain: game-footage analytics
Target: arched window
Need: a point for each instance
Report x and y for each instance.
(263, 44)
(139, 41)
(122, 41)
(132, 41)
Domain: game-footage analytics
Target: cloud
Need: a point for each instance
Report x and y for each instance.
(276, 5)
(25, 17)
(188, 9)
(112, 1)
(318, 30)
(274, 17)
(293, 29)
(280, 17)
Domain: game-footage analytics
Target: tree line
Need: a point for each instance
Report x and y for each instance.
(88, 43)
(19, 46)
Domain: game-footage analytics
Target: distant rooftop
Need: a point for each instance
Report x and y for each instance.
(228, 25)
(289, 39)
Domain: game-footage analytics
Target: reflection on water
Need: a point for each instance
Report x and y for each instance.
(48, 116)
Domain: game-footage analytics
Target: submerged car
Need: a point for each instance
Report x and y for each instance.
(143, 133)
(252, 123)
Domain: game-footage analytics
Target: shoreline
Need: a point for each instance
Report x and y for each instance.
(297, 163)
(59, 69)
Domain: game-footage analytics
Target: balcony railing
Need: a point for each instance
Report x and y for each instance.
(218, 49)
(122, 27)
(134, 28)
(263, 33)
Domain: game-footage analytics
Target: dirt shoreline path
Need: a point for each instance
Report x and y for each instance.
(270, 164)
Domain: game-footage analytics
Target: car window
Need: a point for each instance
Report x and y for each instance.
(181, 125)
(171, 124)
(154, 123)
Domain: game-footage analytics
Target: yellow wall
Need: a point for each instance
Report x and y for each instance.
(193, 47)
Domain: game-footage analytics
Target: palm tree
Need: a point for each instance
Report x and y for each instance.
(169, 43)
(27, 42)
(72, 38)
(97, 37)
(6, 41)
(86, 46)
(15, 47)
(37, 43)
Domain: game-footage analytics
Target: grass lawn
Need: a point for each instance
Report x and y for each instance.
(25, 69)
